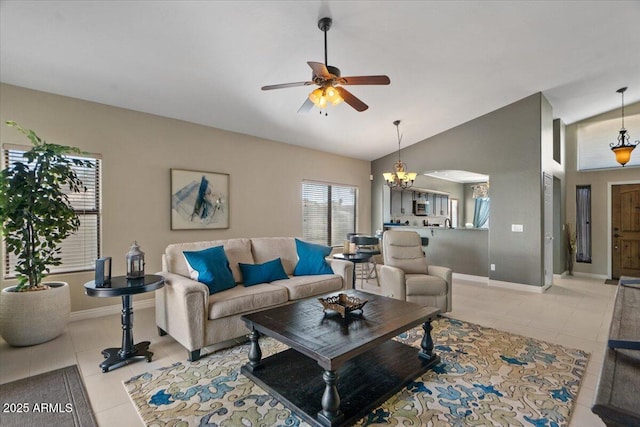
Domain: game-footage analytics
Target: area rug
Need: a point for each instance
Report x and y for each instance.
(486, 377)
(57, 398)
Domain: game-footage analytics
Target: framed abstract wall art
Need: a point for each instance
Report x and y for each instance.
(199, 200)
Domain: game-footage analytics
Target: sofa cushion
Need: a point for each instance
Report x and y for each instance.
(240, 300)
(237, 250)
(268, 248)
(311, 259)
(421, 284)
(299, 287)
(253, 274)
(211, 267)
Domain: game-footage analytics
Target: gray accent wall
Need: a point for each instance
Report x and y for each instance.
(506, 145)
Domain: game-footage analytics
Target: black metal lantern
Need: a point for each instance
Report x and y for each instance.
(135, 262)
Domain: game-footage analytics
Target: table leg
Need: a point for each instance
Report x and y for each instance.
(127, 327)
(255, 354)
(427, 342)
(116, 357)
(353, 279)
(330, 413)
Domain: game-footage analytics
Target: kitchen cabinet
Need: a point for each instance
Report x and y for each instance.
(395, 203)
(407, 203)
(401, 202)
(441, 205)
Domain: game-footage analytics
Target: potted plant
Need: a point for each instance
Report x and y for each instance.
(36, 216)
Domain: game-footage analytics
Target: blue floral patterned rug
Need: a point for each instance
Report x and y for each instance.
(486, 378)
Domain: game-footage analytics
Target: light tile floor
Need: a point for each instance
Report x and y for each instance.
(575, 312)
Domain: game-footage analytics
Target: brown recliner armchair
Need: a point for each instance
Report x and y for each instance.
(406, 275)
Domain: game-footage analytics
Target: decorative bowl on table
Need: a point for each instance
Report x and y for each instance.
(342, 303)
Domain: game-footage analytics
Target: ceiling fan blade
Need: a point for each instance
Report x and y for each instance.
(306, 107)
(351, 99)
(285, 85)
(365, 80)
(320, 70)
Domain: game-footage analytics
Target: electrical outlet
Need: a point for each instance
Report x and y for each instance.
(493, 267)
(518, 228)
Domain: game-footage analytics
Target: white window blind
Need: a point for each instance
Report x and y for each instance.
(80, 250)
(328, 212)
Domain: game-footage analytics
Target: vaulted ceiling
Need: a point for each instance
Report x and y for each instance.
(205, 61)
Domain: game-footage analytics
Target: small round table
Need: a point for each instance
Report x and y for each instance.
(120, 286)
(357, 258)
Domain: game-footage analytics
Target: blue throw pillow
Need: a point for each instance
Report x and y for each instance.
(311, 259)
(252, 274)
(211, 267)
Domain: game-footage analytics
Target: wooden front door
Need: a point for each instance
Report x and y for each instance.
(625, 223)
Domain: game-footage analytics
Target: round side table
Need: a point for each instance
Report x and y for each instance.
(357, 258)
(120, 286)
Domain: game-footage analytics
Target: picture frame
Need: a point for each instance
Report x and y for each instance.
(199, 200)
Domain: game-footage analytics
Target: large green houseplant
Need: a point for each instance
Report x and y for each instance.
(36, 216)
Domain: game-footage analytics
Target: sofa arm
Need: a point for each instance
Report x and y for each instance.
(182, 308)
(392, 282)
(445, 274)
(344, 269)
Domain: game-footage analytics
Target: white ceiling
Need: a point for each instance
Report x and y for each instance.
(205, 61)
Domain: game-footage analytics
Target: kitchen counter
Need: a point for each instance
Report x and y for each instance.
(435, 227)
(460, 249)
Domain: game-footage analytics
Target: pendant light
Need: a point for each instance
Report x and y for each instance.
(399, 178)
(623, 148)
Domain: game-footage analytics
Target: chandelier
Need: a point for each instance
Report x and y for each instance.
(623, 148)
(480, 190)
(399, 178)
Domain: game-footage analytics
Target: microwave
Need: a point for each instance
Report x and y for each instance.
(420, 207)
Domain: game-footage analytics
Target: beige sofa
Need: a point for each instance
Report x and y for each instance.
(186, 311)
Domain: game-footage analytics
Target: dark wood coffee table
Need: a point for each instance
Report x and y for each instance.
(337, 370)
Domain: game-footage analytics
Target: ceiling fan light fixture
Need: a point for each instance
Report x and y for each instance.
(318, 98)
(323, 96)
(623, 147)
(330, 82)
(333, 96)
(399, 178)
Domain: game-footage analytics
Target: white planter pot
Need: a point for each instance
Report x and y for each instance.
(29, 318)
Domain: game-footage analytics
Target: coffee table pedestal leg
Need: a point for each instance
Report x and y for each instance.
(330, 414)
(255, 354)
(427, 342)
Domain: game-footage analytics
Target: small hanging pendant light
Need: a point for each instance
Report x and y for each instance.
(623, 148)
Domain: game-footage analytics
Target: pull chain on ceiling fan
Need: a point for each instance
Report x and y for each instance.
(329, 82)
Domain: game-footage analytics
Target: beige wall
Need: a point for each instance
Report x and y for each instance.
(138, 151)
(600, 181)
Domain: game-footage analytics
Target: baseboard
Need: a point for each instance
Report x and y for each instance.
(92, 313)
(591, 275)
(483, 280)
(518, 286)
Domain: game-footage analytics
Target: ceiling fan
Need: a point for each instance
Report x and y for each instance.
(329, 82)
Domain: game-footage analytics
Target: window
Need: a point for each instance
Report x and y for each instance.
(594, 137)
(80, 250)
(583, 223)
(328, 212)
